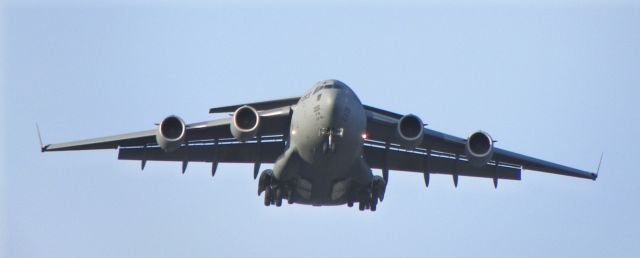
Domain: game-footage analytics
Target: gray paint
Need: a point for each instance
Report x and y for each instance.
(315, 143)
(326, 134)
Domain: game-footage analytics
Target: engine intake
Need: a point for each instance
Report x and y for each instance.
(410, 131)
(245, 123)
(479, 148)
(171, 133)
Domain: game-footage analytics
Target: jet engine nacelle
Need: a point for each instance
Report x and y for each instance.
(479, 148)
(171, 133)
(410, 131)
(245, 123)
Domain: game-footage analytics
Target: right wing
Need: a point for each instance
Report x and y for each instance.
(209, 141)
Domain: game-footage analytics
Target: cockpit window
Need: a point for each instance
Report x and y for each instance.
(333, 86)
(317, 89)
(328, 86)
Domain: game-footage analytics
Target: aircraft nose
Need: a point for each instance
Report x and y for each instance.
(329, 97)
(335, 101)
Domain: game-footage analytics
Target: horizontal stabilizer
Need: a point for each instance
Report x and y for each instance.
(263, 105)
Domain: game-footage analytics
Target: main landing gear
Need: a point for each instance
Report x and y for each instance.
(274, 192)
(368, 196)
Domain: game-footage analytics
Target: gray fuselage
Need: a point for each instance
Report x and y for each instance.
(324, 161)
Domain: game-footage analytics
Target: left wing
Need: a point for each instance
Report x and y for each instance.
(443, 153)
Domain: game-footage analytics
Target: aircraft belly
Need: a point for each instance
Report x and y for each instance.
(322, 184)
(329, 183)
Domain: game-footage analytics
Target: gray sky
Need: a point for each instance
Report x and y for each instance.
(555, 80)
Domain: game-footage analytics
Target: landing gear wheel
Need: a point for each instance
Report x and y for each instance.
(364, 198)
(290, 197)
(278, 197)
(268, 196)
(374, 204)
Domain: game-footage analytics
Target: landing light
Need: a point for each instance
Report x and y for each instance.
(293, 132)
(364, 136)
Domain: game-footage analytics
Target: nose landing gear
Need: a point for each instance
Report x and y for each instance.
(274, 191)
(329, 145)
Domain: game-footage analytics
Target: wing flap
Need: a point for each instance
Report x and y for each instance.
(415, 161)
(249, 152)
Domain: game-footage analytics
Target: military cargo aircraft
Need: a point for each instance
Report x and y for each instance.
(323, 147)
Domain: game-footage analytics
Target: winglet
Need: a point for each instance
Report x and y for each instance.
(599, 163)
(43, 147)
